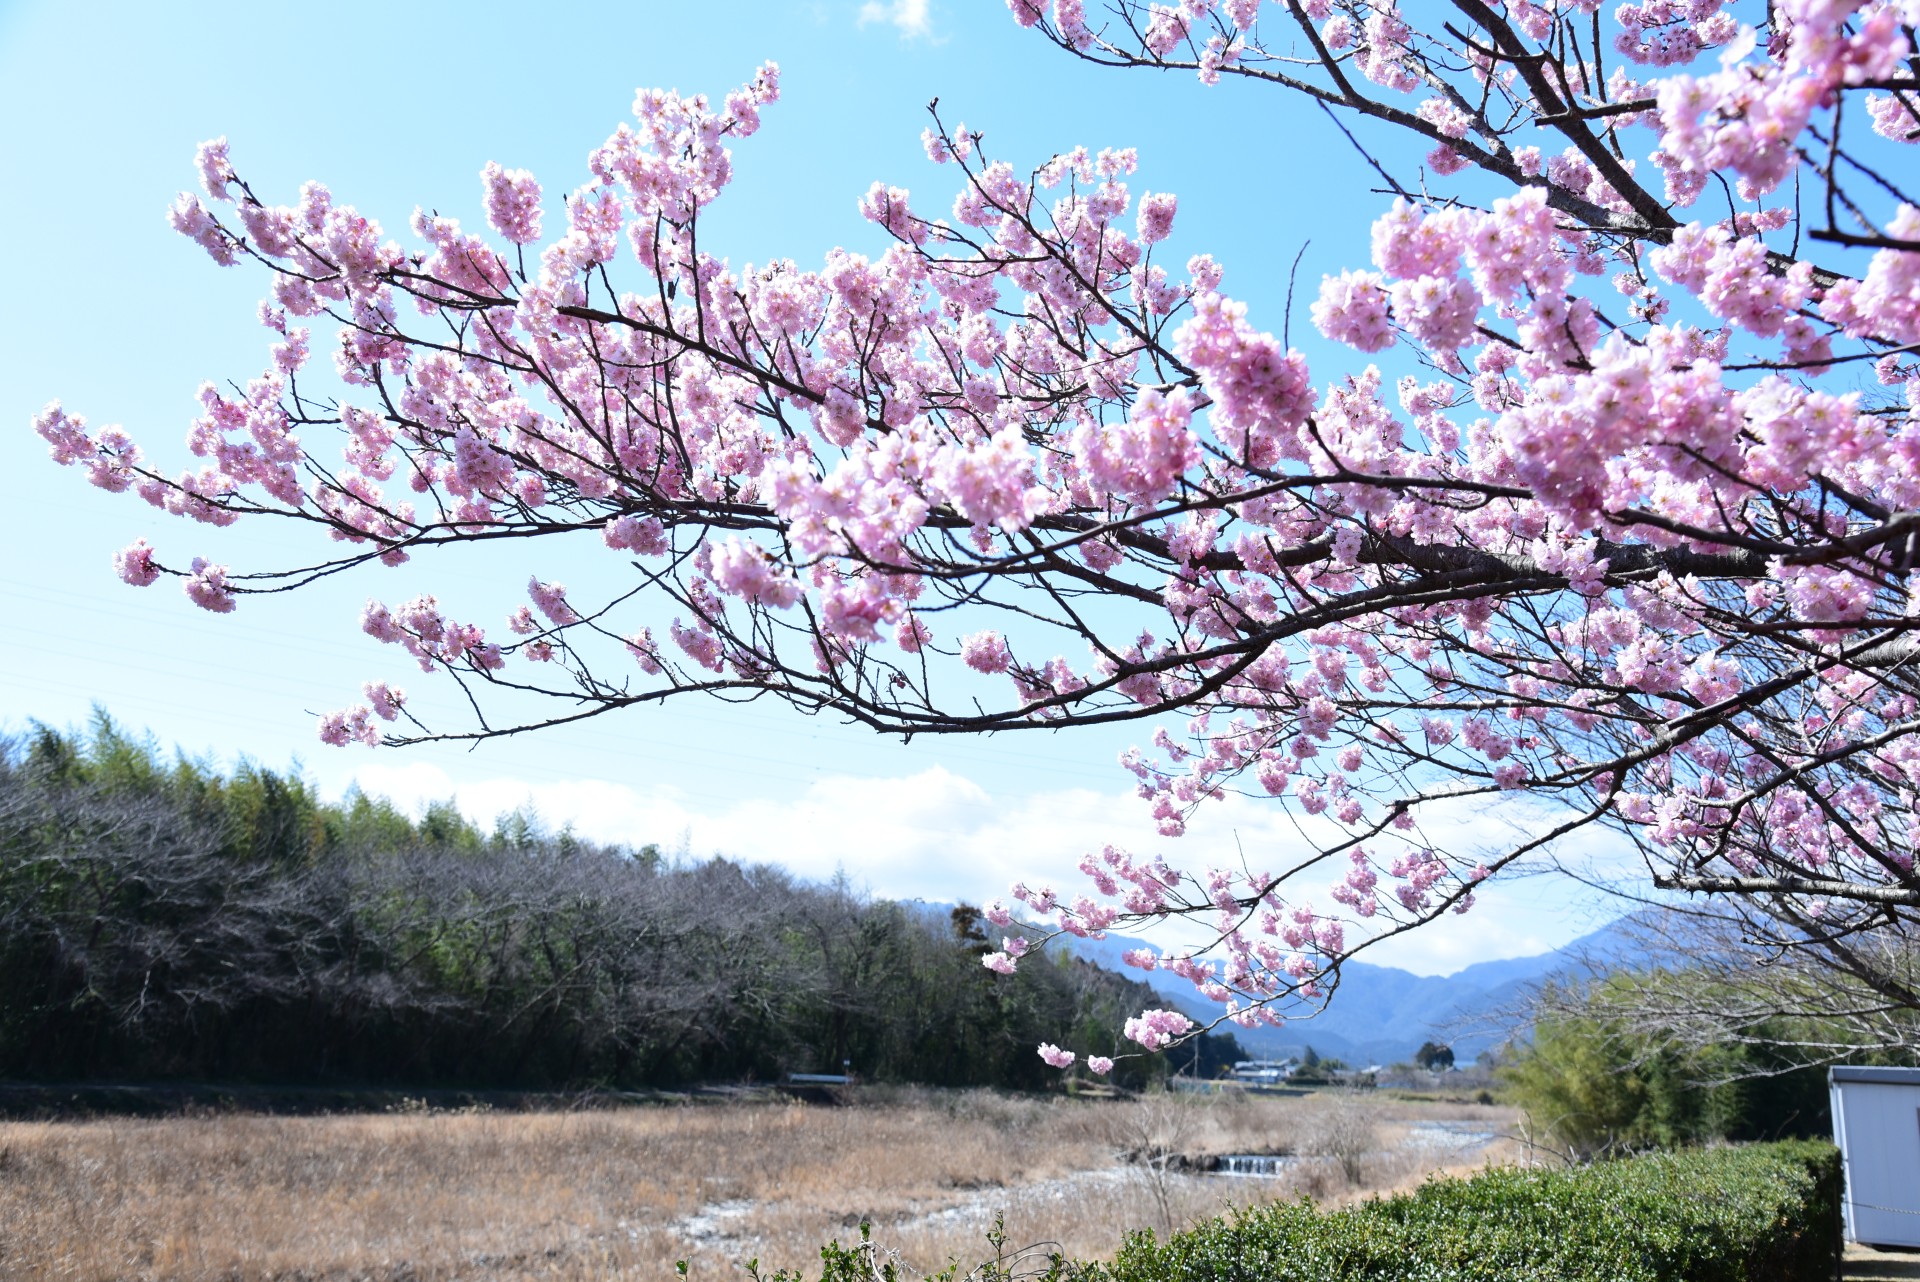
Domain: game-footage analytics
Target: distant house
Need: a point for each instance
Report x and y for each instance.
(1264, 1072)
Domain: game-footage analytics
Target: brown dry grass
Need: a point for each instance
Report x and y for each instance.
(617, 1194)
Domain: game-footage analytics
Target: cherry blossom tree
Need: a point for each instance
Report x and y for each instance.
(1626, 527)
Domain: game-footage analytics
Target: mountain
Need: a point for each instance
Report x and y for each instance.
(1382, 1014)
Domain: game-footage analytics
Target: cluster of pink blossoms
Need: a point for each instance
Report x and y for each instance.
(1053, 1055)
(1153, 1029)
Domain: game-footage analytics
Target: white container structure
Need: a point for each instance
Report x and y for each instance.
(1876, 1123)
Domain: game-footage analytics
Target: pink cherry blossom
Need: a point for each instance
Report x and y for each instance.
(513, 203)
(383, 700)
(1154, 1029)
(206, 586)
(1156, 216)
(551, 600)
(1055, 1056)
(1352, 309)
(986, 652)
(134, 564)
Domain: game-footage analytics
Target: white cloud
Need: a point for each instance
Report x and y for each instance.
(938, 835)
(911, 18)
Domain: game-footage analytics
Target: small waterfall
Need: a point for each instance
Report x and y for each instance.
(1252, 1164)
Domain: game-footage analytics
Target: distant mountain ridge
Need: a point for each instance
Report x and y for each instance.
(1382, 1014)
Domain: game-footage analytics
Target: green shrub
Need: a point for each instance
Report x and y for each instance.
(1601, 1079)
(1766, 1213)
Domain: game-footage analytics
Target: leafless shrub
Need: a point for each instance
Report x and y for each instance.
(1154, 1132)
(1343, 1129)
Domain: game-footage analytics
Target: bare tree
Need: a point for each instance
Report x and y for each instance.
(1343, 1130)
(1691, 975)
(1153, 1132)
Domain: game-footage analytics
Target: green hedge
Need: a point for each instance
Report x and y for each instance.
(1765, 1213)
(1761, 1213)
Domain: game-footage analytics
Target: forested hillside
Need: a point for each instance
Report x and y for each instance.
(162, 918)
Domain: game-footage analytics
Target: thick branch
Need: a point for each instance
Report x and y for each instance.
(1787, 886)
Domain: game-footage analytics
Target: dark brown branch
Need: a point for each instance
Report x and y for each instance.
(1787, 886)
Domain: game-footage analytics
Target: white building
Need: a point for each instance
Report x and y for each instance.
(1263, 1072)
(1876, 1123)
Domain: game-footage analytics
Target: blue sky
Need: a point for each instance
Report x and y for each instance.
(122, 320)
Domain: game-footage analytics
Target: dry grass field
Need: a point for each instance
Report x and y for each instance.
(617, 1194)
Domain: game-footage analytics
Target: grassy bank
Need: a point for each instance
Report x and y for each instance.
(424, 1196)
